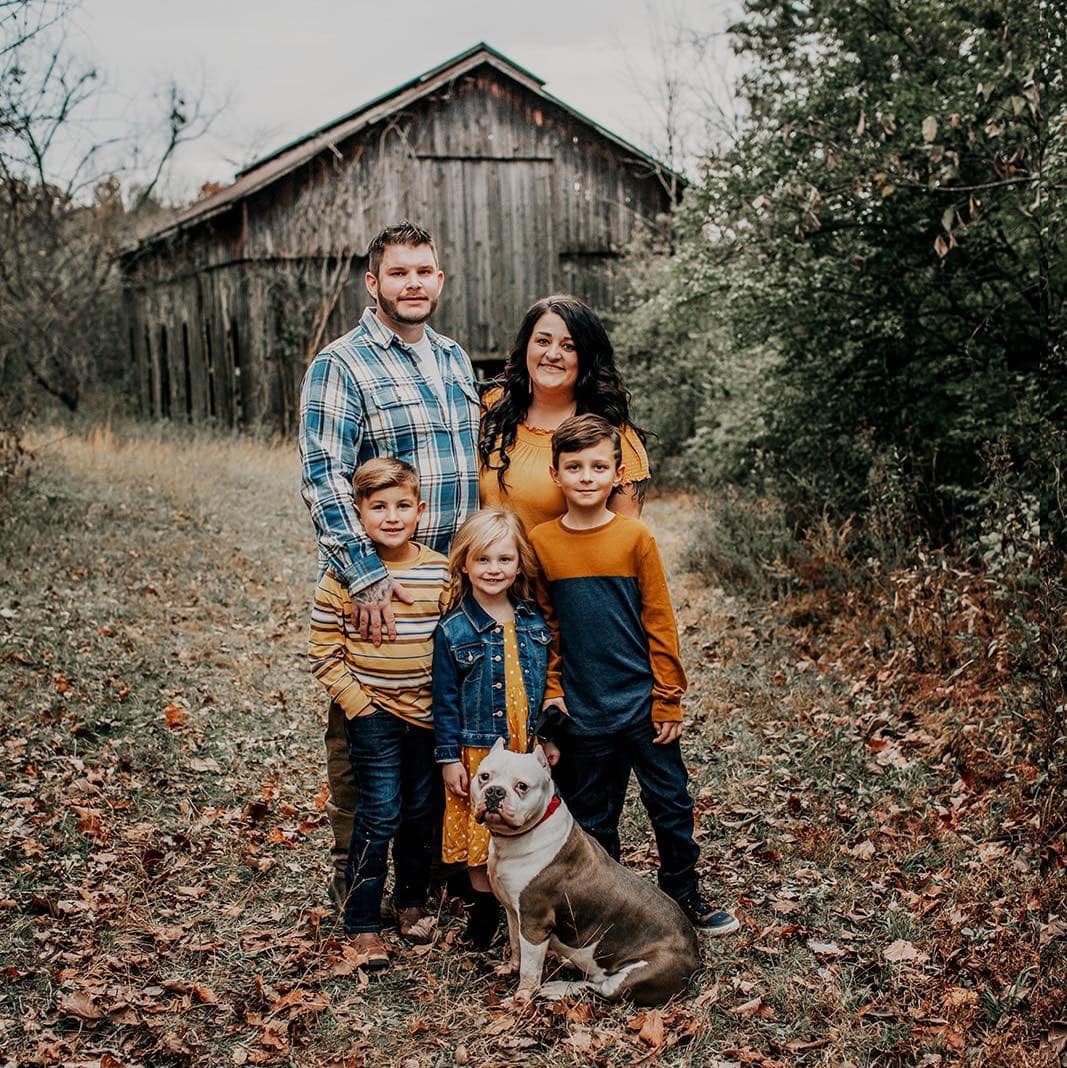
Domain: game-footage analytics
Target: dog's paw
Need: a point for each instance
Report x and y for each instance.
(560, 989)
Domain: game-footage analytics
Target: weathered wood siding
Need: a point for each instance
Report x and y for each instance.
(523, 199)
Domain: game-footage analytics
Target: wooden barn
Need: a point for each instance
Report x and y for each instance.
(524, 195)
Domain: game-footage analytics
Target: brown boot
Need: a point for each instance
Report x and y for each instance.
(373, 953)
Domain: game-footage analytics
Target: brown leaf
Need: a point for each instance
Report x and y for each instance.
(174, 716)
(501, 1024)
(651, 1031)
(902, 950)
(825, 949)
(79, 1004)
(755, 1007)
(799, 1045)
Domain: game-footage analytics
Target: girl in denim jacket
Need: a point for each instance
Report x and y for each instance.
(489, 664)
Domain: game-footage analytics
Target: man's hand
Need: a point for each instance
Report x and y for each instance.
(371, 610)
(457, 781)
(551, 751)
(667, 732)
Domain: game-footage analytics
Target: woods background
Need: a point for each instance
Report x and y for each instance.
(851, 356)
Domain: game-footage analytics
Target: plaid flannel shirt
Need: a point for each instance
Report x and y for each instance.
(365, 396)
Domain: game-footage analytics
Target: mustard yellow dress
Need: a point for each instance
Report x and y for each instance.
(465, 840)
(529, 490)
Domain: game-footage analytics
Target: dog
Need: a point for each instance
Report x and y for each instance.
(563, 893)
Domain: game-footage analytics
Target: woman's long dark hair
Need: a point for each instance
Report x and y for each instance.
(598, 389)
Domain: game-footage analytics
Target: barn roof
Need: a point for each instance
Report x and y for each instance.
(291, 156)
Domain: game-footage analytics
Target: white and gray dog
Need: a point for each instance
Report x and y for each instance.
(564, 894)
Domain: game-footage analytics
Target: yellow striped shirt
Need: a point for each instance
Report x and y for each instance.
(395, 675)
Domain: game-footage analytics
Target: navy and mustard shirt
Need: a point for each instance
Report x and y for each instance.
(615, 650)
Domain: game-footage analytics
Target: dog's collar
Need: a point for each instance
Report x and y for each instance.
(552, 806)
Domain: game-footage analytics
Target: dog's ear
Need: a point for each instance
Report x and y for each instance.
(498, 744)
(540, 754)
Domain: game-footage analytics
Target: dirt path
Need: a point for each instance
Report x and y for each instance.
(164, 841)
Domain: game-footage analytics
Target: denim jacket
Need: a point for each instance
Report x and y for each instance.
(469, 703)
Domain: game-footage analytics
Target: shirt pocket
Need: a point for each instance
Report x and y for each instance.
(468, 655)
(395, 413)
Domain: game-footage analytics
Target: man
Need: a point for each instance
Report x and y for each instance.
(390, 387)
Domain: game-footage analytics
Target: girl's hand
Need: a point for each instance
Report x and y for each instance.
(456, 779)
(555, 702)
(551, 751)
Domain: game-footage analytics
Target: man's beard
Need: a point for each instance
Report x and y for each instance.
(400, 315)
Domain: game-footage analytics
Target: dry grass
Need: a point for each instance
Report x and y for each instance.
(164, 858)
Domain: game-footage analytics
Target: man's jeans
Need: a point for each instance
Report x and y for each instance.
(594, 772)
(395, 774)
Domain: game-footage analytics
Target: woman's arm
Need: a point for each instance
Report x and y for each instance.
(629, 498)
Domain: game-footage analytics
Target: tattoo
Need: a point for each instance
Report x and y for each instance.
(379, 591)
(638, 490)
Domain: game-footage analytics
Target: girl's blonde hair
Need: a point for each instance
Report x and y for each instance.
(479, 531)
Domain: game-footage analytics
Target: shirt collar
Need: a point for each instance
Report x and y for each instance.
(381, 335)
(480, 619)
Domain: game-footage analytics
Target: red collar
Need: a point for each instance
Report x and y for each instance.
(552, 806)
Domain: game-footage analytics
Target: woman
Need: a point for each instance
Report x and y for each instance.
(561, 364)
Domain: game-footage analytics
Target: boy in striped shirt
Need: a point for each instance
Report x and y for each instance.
(385, 694)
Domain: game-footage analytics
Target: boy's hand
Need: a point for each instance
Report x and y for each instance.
(551, 751)
(555, 702)
(667, 731)
(371, 609)
(456, 779)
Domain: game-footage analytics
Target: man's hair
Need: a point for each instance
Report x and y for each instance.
(401, 233)
(583, 432)
(383, 472)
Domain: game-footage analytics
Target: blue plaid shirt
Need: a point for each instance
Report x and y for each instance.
(365, 396)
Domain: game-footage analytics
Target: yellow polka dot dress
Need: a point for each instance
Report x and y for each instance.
(466, 841)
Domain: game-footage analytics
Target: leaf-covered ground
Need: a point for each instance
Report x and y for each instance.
(162, 889)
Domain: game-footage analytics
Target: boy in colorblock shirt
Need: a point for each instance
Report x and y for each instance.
(615, 666)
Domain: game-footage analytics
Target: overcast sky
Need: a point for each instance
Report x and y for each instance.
(282, 69)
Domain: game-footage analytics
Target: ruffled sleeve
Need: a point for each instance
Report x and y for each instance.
(634, 457)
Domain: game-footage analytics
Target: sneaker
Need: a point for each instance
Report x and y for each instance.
(373, 954)
(416, 924)
(707, 918)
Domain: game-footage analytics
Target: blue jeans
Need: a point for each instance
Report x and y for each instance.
(394, 775)
(593, 773)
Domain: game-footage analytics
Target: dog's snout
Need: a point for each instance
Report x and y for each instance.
(494, 795)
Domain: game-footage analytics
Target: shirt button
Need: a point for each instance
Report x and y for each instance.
(498, 714)
(497, 659)
(498, 630)
(499, 685)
